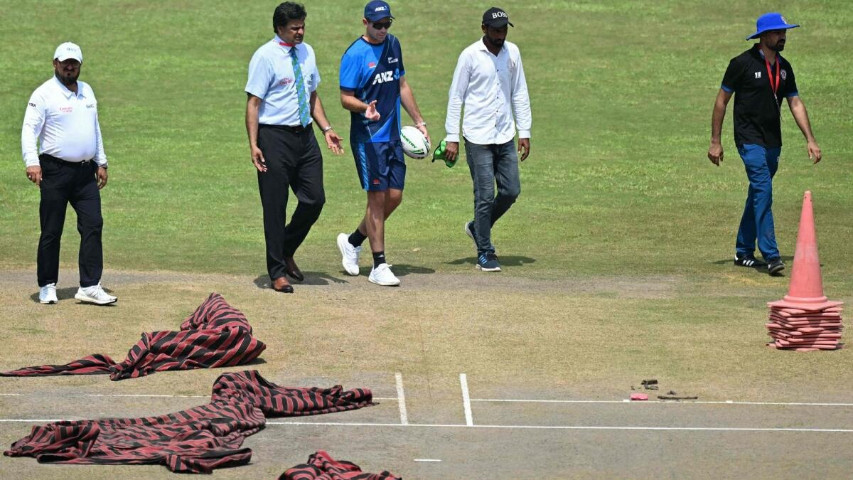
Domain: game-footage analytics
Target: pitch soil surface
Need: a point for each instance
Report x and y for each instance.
(548, 365)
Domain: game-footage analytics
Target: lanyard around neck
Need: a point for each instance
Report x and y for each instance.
(773, 85)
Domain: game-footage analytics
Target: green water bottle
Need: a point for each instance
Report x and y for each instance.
(440, 154)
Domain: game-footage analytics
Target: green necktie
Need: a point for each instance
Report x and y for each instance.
(304, 109)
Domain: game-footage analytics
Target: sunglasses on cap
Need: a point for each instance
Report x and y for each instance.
(382, 25)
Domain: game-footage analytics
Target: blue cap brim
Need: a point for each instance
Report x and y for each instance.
(775, 27)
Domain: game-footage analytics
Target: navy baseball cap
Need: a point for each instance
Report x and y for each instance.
(770, 21)
(496, 18)
(377, 10)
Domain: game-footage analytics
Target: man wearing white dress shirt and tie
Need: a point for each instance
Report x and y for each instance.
(489, 82)
(64, 154)
(282, 98)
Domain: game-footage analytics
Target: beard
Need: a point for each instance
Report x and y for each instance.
(495, 42)
(780, 45)
(68, 78)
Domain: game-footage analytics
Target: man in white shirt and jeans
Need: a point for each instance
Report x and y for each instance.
(64, 154)
(489, 82)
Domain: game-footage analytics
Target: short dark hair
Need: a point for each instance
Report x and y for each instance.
(286, 12)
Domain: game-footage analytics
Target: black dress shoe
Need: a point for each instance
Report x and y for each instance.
(293, 270)
(280, 285)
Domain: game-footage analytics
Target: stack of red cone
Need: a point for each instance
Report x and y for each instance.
(805, 320)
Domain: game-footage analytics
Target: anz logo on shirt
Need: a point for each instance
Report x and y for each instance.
(383, 77)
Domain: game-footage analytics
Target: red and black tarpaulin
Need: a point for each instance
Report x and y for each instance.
(321, 466)
(197, 440)
(215, 335)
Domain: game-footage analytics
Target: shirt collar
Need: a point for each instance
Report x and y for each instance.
(65, 91)
(482, 46)
(284, 44)
(760, 53)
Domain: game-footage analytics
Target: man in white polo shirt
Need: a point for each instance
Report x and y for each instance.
(282, 98)
(489, 81)
(64, 154)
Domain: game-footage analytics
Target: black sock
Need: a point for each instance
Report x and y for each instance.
(356, 238)
(378, 258)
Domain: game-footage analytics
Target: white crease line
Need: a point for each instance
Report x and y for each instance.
(493, 400)
(657, 402)
(129, 395)
(427, 460)
(401, 399)
(34, 420)
(509, 427)
(571, 427)
(805, 404)
(466, 400)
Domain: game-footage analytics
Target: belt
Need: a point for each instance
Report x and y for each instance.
(45, 156)
(290, 128)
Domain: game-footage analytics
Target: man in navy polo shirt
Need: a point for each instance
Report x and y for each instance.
(373, 86)
(759, 79)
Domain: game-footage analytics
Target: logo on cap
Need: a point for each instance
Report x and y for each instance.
(377, 10)
(496, 17)
(68, 50)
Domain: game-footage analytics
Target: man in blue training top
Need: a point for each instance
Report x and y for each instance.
(373, 86)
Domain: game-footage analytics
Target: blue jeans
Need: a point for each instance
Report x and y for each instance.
(489, 164)
(757, 220)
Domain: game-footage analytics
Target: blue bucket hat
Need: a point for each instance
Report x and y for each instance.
(377, 10)
(770, 21)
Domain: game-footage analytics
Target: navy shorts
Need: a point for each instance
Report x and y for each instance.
(380, 166)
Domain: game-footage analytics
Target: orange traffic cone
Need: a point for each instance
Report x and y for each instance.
(806, 289)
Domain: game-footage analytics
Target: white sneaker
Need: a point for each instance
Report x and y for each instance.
(349, 254)
(47, 294)
(94, 294)
(382, 275)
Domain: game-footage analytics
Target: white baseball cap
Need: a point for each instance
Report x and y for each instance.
(68, 50)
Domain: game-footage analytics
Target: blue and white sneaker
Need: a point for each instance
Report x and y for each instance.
(488, 262)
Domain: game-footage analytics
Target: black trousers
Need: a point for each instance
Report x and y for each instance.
(63, 183)
(293, 161)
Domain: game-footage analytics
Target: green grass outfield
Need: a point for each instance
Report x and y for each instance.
(618, 179)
